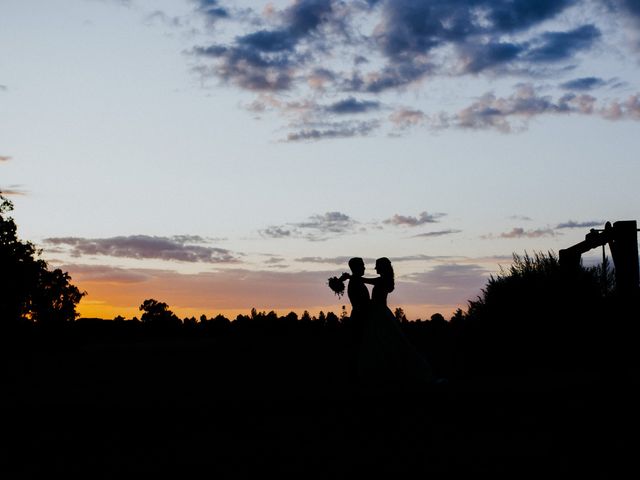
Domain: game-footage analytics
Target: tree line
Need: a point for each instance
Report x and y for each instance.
(531, 316)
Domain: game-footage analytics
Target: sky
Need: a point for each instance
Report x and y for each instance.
(220, 156)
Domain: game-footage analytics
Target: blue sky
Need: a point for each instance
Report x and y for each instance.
(223, 155)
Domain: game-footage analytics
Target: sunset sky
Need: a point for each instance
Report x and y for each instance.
(220, 155)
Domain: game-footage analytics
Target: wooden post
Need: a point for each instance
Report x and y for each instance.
(624, 250)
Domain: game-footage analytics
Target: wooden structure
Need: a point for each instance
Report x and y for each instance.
(622, 238)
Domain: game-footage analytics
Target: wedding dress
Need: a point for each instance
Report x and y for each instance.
(386, 355)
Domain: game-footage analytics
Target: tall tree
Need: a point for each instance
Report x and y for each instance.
(28, 289)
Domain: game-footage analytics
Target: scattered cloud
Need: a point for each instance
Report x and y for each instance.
(316, 227)
(160, 17)
(234, 288)
(212, 10)
(178, 248)
(410, 221)
(404, 118)
(109, 273)
(522, 218)
(298, 51)
(344, 259)
(352, 105)
(445, 283)
(124, 3)
(419, 257)
(587, 224)
(340, 260)
(275, 262)
(519, 232)
(513, 113)
(628, 109)
(556, 46)
(583, 83)
(439, 233)
(267, 59)
(276, 232)
(13, 190)
(334, 130)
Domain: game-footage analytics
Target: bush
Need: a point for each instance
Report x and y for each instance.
(534, 314)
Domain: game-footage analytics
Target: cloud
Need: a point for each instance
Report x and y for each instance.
(628, 109)
(158, 16)
(556, 46)
(248, 68)
(389, 77)
(108, 273)
(334, 130)
(410, 221)
(625, 7)
(344, 259)
(351, 105)
(546, 48)
(13, 190)
(477, 57)
(319, 78)
(316, 227)
(583, 83)
(330, 222)
(276, 232)
(588, 224)
(492, 112)
(179, 248)
(519, 232)
(274, 261)
(267, 59)
(449, 283)
(210, 291)
(340, 260)
(297, 53)
(404, 118)
(212, 10)
(410, 27)
(419, 257)
(523, 218)
(3, 88)
(124, 3)
(513, 113)
(439, 233)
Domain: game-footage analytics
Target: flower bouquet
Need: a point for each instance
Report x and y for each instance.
(337, 285)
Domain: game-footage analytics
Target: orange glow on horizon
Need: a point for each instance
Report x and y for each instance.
(194, 295)
(104, 309)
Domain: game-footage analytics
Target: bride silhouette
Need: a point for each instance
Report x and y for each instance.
(386, 356)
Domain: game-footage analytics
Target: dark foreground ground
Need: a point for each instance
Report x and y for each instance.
(212, 408)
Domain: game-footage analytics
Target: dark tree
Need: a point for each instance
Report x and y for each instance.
(54, 300)
(28, 289)
(155, 312)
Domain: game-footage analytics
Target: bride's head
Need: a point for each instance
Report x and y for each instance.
(385, 270)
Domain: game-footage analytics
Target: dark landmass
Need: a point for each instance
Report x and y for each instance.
(537, 379)
(269, 395)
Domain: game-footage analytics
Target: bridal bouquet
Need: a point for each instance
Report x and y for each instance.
(336, 285)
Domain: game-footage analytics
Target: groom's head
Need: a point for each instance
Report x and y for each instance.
(356, 265)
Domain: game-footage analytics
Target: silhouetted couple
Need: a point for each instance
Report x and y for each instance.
(382, 354)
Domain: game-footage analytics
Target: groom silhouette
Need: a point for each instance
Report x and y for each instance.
(360, 305)
(357, 291)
